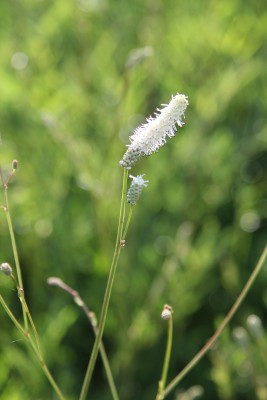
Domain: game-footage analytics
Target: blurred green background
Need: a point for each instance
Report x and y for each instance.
(77, 76)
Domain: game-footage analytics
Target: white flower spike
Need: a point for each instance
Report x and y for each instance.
(150, 137)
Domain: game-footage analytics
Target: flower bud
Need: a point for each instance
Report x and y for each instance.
(6, 269)
(135, 190)
(167, 312)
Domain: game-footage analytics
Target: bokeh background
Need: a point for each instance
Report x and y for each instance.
(77, 76)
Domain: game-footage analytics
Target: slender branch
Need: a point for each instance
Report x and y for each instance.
(227, 319)
(108, 291)
(93, 321)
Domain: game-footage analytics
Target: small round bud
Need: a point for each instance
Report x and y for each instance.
(254, 326)
(15, 164)
(6, 269)
(167, 312)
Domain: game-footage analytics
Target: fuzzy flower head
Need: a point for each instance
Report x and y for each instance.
(151, 136)
(135, 190)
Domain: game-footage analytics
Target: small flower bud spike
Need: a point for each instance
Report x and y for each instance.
(135, 190)
(150, 137)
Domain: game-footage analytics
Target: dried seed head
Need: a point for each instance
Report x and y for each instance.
(135, 190)
(167, 312)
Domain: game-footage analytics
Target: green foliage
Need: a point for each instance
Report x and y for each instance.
(68, 104)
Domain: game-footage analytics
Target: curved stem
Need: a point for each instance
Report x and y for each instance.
(227, 319)
(107, 295)
(93, 321)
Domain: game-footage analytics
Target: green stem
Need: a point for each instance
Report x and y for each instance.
(12, 317)
(108, 371)
(128, 222)
(225, 322)
(107, 295)
(103, 354)
(15, 252)
(25, 306)
(35, 349)
(166, 363)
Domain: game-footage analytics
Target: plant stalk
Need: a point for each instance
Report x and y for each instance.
(107, 295)
(162, 382)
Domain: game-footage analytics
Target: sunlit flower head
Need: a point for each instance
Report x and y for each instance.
(149, 137)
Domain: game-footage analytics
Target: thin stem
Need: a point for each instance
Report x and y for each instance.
(15, 251)
(35, 349)
(45, 369)
(93, 321)
(227, 319)
(166, 363)
(12, 317)
(27, 311)
(25, 306)
(128, 222)
(13, 241)
(107, 295)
